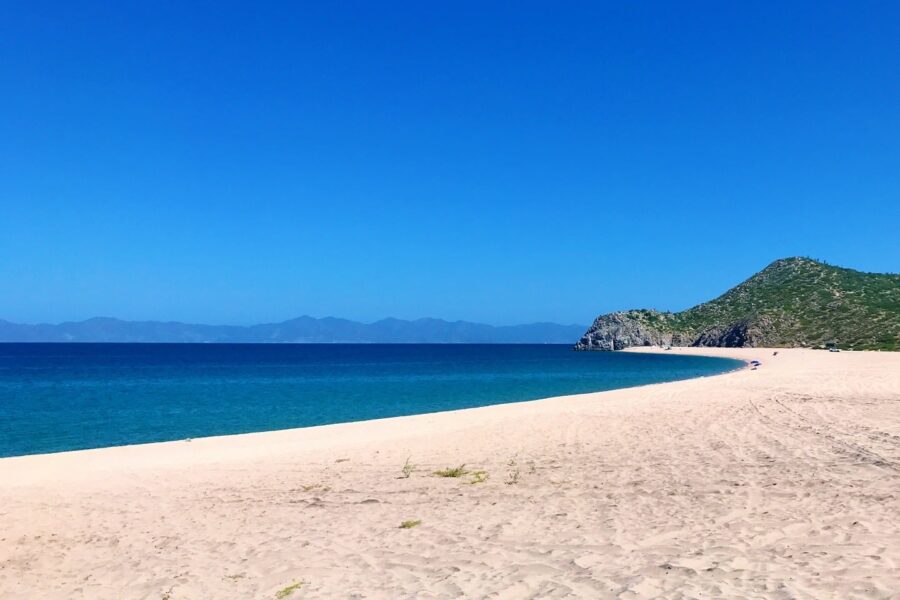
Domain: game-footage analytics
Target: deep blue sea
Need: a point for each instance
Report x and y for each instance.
(56, 397)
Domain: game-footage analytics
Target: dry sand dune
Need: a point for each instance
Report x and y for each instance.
(782, 482)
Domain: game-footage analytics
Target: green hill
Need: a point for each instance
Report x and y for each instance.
(792, 302)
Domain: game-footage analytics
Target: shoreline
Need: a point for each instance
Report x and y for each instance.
(225, 437)
(779, 482)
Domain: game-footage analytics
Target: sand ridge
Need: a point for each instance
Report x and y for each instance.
(783, 482)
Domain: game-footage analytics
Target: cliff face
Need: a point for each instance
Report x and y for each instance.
(794, 302)
(620, 330)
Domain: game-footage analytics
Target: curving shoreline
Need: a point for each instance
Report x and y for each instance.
(79, 397)
(31, 468)
(779, 481)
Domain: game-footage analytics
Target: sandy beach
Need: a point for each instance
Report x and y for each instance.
(781, 482)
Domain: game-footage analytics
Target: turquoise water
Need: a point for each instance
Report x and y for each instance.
(56, 397)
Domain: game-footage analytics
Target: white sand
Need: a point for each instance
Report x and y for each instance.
(778, 483)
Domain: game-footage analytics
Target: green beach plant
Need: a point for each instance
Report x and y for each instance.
(478, 477)
(410, 524)
(407, 468)
(287, 591)
(452, 472)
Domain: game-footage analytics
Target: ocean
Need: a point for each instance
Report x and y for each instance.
(59, 397)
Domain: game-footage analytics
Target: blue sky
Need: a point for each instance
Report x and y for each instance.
(497, 162)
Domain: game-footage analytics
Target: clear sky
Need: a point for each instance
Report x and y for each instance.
(497, 162)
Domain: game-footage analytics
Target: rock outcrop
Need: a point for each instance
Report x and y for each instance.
(747, 333)
(620, 330)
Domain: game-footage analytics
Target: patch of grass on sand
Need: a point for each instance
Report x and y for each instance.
(452, 472)
(313, 487)
(478, 477)
(407, 468)
(285, 592)
(410, 524)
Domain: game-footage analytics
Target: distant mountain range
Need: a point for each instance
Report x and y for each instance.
(303, 330)
(794, 302)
